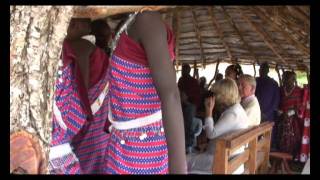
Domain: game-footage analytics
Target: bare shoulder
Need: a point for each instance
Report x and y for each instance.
(148, 16)
(149, 20)
(83, 45)
(148, 25)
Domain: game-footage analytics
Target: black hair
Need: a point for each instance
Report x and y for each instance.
(237, 68)
(98, 24)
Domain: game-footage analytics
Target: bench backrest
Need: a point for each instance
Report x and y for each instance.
(257, 141)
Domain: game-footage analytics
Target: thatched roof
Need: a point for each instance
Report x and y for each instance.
(244, 34)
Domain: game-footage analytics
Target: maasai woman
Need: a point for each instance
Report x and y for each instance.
(147, 135)
(305, 146)
(290, 125)
(80, 110)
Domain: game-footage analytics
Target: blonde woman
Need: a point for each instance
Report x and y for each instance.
(233, 118)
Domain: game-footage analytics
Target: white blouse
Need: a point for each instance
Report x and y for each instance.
(232, 119)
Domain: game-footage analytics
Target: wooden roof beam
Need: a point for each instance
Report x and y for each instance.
(264, 36)
(176, 27)
(226, 14)
(299, 14)
(217, 26)
(196, 28)
(279, 17)
(298, 44)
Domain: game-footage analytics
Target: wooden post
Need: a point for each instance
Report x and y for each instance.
(215, 73)
(254, 69)
(308, 75)
(220, 165)
(266, 149)
(279, 76)
(195, 70)
(252, 164)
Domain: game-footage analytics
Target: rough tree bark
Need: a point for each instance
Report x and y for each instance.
(36, 34)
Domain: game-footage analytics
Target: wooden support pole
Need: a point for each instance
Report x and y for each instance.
(266, 149)
(254, 69)
(308, 75)
(252, 163)
(220, 165)
(195, 70)
(215, 73)
(279, 76)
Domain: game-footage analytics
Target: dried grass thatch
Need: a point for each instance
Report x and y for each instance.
(243, 34)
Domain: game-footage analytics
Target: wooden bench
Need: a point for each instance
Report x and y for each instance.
(255, 156)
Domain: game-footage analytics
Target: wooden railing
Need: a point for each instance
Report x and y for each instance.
(256, 141)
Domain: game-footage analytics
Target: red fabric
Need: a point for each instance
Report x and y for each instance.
(305, 143)
(191, 87)
(291, 127)
(130, 50)
(98, 65)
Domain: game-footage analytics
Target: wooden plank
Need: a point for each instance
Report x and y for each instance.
(292, 40)
(247, 135)
(266, 150)
(253, 156)
(196, 28)
(217, 26)
(260, 160)
(235, 163)
(229, 18)
(262, 143)
(264, 36)
(220, 165)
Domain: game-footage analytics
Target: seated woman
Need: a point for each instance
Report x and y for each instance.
(233, 118)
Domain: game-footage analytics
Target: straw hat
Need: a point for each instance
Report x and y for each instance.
(96, 12)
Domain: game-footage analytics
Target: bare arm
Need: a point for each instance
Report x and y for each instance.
(151, 34)
(83, 50)
(225, 123)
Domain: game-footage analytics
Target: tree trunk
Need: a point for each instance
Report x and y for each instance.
(36, 35)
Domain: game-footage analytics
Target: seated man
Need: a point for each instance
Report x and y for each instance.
(192, 125)
(247, 87)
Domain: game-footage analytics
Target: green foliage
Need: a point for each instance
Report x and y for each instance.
(301, 78)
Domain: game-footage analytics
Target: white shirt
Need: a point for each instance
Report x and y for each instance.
(234, 118)
(252, 108)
